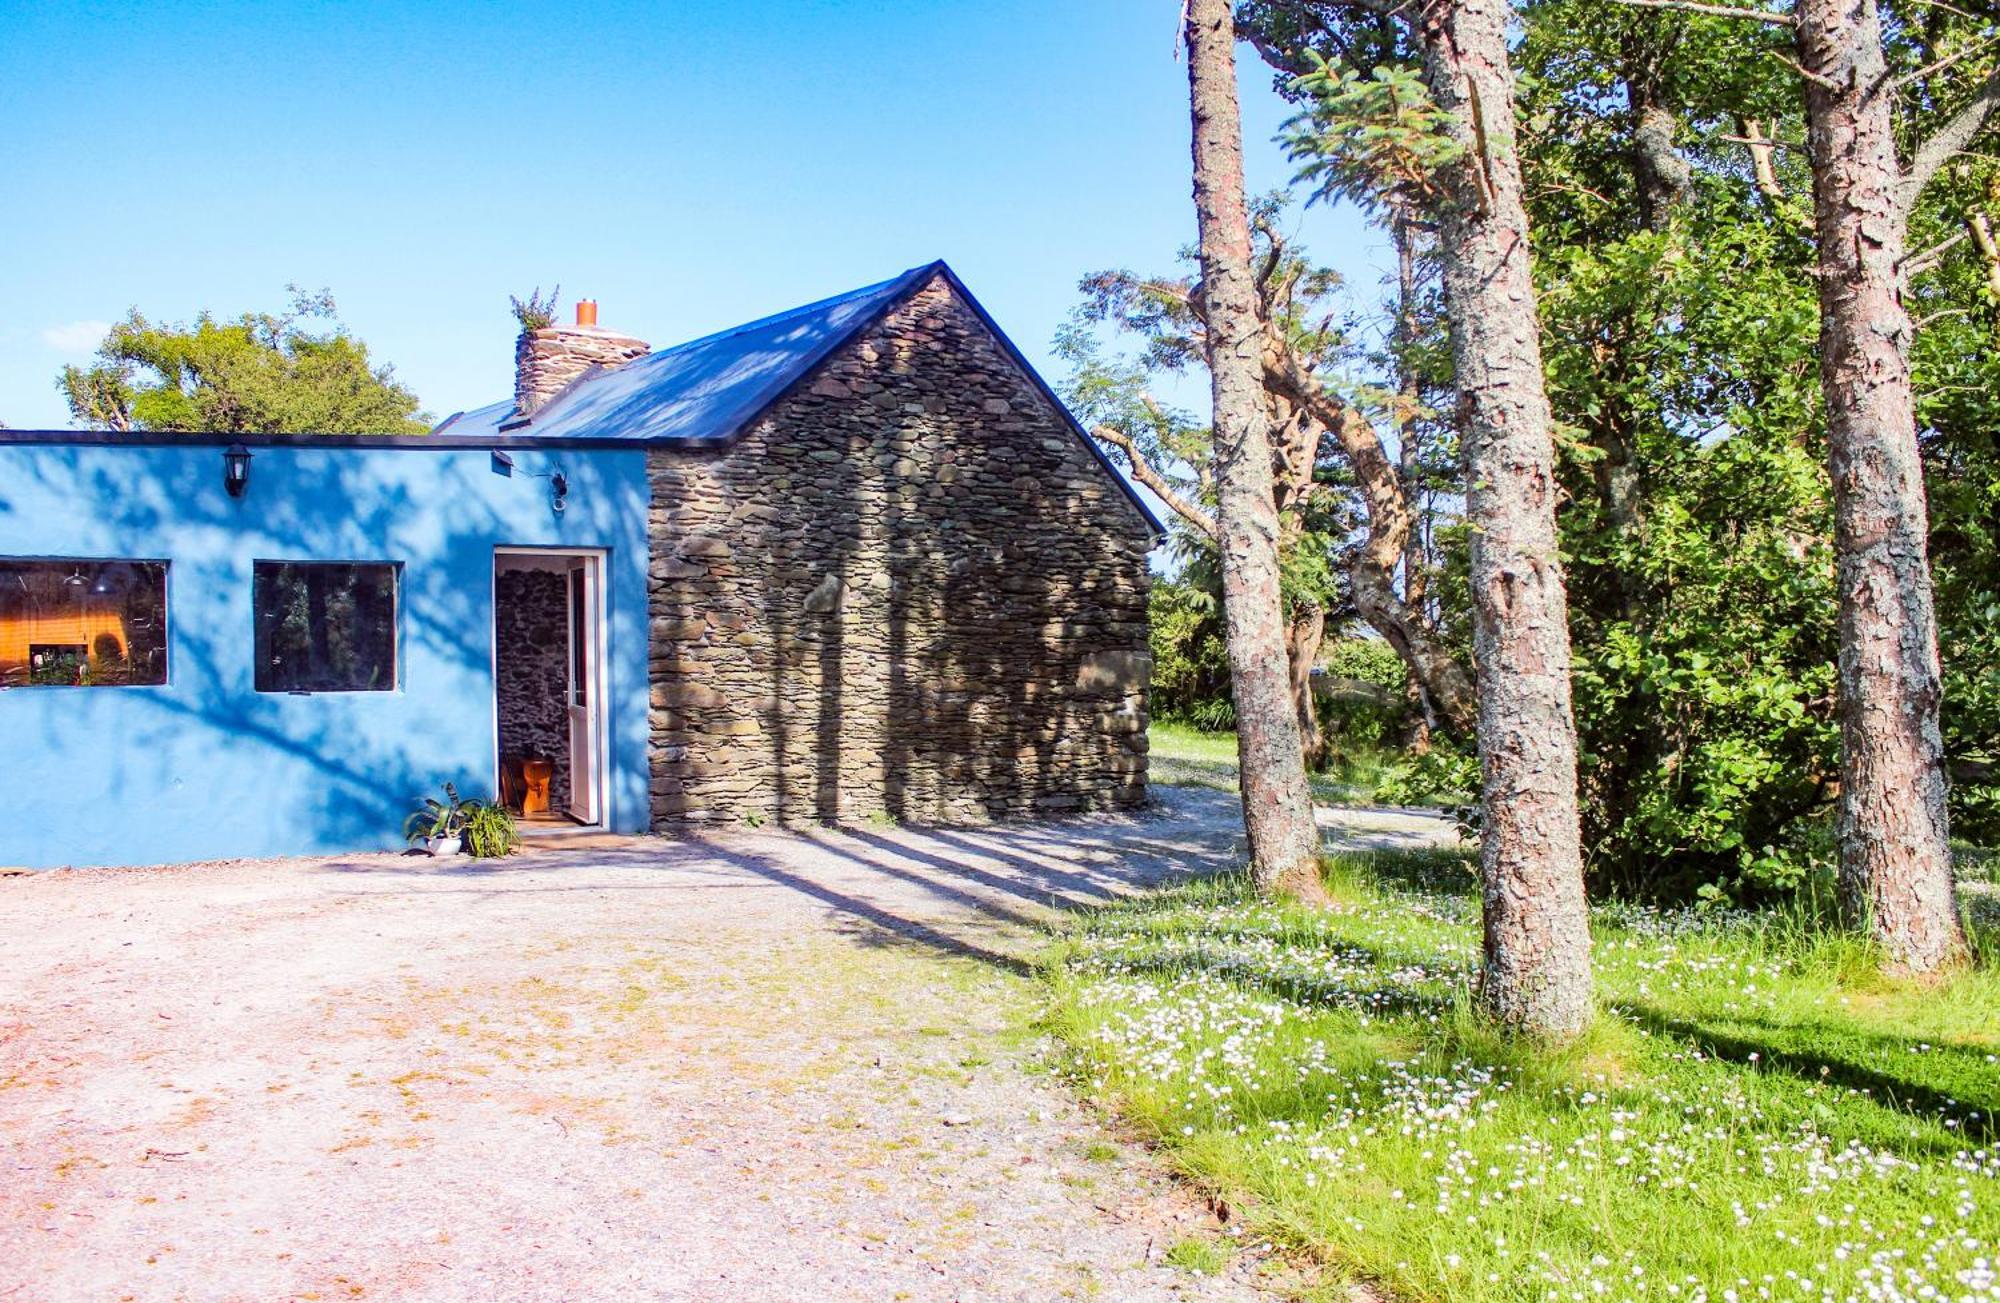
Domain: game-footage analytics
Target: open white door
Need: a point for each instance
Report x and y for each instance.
(584, 799)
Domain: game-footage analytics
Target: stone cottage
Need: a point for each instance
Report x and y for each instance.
(849, 561)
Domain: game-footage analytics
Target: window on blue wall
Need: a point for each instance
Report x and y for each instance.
(82, 624)
(325, 626)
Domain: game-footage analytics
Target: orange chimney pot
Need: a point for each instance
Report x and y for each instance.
(586, 312)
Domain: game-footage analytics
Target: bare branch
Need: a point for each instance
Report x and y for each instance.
(1952, 138)
(1762, 143)
(1712, 11)
(1936, 316)
(1764, 168)
(1919, 263)
(1150, 477)
(1824, 83)
(1946, 62)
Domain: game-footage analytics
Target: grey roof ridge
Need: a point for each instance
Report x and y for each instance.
(894, 290)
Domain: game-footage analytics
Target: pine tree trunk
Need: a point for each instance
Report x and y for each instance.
(1537, 927)
(1416, 580)
(1305, 634)
(1277, 807)
(1895, 859)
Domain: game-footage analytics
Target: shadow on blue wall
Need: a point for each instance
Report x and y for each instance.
(207, 767)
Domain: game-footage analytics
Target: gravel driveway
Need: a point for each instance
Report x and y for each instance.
(748, 1066)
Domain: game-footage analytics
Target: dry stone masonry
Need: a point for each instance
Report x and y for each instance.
(548, 360)
(908, 590)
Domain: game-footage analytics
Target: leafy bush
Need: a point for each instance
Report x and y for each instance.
(1443, 774)
(1190, 658)
(489, 830)
(1368, 659)
(1217, 715)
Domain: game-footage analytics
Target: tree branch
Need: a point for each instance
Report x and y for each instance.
(1989, 251)
(1917, 264)
(1952, 138)
(1712, 11)
(1150, 477)
(1941, 64)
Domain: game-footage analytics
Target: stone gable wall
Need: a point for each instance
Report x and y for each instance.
(909, 590)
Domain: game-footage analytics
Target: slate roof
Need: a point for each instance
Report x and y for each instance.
(702, 391)
(708, 390)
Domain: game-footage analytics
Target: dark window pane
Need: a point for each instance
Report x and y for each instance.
(82, 624)
(325, 627)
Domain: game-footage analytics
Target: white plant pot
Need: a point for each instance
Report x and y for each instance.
(444, 845)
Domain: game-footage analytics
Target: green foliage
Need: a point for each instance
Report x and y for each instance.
(490, 832)
(487, 827)
(536, 312)
(1443, 774)
(1369, 660)
(1957, 362)
(1190, 656)
(438, 819)
(259, 372)
(1368, 136)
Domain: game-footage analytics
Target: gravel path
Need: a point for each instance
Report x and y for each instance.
(751, 1066)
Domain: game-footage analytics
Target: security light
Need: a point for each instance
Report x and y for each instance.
(236, 470)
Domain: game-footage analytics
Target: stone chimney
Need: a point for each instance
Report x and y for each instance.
(546, 360)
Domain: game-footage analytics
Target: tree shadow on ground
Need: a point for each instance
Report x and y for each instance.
(1040, 883)
(922, 933)
(1961, 1088)
(1377, 998)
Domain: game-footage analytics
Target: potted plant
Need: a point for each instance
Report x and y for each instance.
(489, 830)
(438, 828)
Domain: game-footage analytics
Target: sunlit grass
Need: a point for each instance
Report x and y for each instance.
(1758, 1114)
(1184, 757)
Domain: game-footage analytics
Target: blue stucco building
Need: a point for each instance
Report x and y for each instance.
(206, 766)
(219, 646)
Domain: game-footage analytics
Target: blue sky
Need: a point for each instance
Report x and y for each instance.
(690, 165)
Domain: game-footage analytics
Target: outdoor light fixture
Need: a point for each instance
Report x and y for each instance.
(559, 491)
(236, 470)
(502, 463)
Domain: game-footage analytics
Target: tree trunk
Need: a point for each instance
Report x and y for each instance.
(1372, 574)
(1277, 807)
(1416, 558)
(1305, 633)
(1895, 859)
(1537, 928)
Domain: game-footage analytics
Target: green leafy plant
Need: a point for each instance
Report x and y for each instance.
(489, 830)
(536, 312)
(438, 819)
(1368, 136)
(486, 826)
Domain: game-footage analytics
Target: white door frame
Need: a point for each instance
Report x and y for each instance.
(597, 664)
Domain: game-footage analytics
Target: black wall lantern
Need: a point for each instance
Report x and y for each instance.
(236, 470)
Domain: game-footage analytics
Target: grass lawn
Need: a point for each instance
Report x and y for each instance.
(1183, 756)
(1758, 1115)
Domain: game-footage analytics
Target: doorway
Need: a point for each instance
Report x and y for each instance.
(548, 621)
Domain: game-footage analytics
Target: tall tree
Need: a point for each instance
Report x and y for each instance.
(1277, 805)
(1537, 930)
(1324, 430)
(259, 372)
(1895, 854)
(1895, 851)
